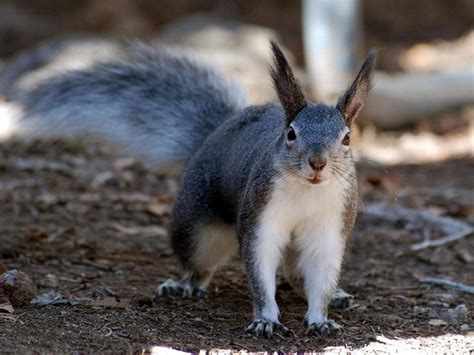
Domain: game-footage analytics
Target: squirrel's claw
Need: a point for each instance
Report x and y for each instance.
(266, 328)
(324, 329)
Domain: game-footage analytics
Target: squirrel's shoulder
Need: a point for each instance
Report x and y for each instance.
(245, 136)
(252, 120)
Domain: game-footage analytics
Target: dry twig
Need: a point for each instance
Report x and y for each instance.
(448, 283)
(454, 229)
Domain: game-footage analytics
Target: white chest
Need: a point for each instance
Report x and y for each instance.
(306, 211)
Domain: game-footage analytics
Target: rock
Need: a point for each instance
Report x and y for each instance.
(17, 287)
(455, 315)
(459, 313)
(419, 310)
(433, 313)
(51, 281)
(464, 328)
(444, 297)
(437, 322)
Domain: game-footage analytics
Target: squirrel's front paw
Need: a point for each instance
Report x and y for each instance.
(324, 329)
(266, 328)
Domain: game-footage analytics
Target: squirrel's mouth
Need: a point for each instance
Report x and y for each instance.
(316, 179)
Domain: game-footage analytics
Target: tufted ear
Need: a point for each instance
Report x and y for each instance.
(353, 100)
(287, 87)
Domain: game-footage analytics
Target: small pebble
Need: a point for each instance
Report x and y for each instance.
(437, 322)
(432, 313)
(51, 281)
(18, 287)
(419, 310)
(459, 313)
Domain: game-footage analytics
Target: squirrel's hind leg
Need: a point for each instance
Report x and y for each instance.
(201, 253)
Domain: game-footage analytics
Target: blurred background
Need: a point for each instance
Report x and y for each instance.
(425, 50)
(393, 27)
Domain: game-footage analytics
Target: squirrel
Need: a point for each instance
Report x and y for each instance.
(275, 183)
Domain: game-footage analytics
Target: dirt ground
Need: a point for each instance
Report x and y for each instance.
(80, 218)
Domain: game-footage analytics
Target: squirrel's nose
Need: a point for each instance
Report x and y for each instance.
(317, 163)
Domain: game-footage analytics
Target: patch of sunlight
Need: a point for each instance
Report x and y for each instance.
(414, 147)
(442, 344)
(8, 116)
(161, 350)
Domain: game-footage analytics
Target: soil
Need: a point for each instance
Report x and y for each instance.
(75, 216)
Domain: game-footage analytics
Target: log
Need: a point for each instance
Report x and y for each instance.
(400, 100)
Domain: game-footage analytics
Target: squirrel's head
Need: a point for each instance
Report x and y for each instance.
(315, 142)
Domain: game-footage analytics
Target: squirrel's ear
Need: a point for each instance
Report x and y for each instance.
(352, 101)
(287, 87)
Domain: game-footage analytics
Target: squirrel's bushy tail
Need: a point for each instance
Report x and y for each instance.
(155, 102)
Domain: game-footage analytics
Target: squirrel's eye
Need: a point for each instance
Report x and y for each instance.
(347, 139)
(290, 134)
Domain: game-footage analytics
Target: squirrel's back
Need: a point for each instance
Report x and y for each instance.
(158, 102)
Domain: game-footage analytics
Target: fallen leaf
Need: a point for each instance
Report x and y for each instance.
(166, 199)
(3, 268)
(141, 230)
(159, 209)
(162, 205)
(388, 182)
(124, 163)
(6, 306)
(53, 298)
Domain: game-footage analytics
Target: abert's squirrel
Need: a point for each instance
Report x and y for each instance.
(276, 182)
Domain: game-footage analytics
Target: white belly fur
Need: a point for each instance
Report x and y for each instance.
(309, 217)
